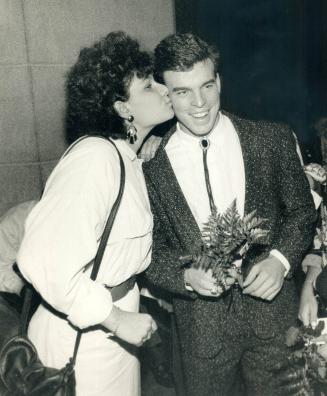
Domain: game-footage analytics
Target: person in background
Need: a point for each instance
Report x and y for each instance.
(11, 234)
(320, 286)
(111, 94)
(313, 263)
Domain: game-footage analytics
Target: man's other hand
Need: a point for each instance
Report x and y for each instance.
(265, 279)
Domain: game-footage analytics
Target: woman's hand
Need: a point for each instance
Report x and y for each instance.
(132, 327)
(308, 305)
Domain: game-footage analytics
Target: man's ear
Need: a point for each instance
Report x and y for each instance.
(121, 109)
(218, 82)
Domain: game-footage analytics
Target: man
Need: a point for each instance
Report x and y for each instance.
(208, 159)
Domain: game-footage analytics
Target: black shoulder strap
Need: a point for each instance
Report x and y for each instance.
(104, 239)
(111, 218)
(100, 252)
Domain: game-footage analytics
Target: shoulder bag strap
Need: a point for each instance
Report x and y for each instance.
(111, 218)
(104, 239)
(100, 252)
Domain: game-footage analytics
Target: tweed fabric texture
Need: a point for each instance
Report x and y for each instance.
(229, 375)
(277, 188)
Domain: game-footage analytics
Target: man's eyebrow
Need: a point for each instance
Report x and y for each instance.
(211, 81)
(181, 89)
(176, 89)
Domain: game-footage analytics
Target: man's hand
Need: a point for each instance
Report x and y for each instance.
(308, 305)
(149, 148)
(265, 279)
(203, 282)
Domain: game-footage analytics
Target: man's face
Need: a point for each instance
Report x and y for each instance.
(195, 96)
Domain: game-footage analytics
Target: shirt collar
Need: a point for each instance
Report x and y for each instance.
(217, 136)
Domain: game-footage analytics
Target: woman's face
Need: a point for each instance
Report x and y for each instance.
(148, 103)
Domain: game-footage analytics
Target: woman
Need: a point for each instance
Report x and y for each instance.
(111, 93)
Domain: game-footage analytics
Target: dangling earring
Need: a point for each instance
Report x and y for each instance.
(131, 130)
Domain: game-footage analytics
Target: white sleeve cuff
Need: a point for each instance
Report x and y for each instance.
(276, 253)
(92, 306)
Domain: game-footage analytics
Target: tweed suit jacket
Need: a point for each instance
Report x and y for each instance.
(276, 187)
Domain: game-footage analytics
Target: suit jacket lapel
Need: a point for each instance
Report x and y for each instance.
(249, 151)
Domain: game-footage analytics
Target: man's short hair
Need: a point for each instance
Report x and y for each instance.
(180, 52)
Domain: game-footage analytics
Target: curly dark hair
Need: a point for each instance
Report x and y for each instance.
(101, 76)
(179, 52)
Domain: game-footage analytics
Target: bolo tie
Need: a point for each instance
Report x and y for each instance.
(204, 144)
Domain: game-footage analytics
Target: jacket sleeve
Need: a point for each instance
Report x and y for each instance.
(165, 270)
(298, 211)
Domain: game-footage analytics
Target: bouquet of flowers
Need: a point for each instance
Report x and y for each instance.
(226, 238)
(305, 372)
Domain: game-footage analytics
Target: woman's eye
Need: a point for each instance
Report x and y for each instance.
(209, 85)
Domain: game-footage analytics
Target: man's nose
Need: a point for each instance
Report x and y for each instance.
(198, 99)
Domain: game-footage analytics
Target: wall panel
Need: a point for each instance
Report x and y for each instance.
(39, 41)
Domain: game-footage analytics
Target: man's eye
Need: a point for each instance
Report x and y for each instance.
(181, 93)
(209, 85)
(148, 86)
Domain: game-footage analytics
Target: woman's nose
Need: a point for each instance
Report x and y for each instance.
(163, 90)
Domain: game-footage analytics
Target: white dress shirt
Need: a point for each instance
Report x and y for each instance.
(226, 171)
(64, 229)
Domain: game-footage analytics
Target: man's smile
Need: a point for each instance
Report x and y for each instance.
(200, 115)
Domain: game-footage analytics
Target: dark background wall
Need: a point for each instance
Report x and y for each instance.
(39, 41)
(274, 57)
